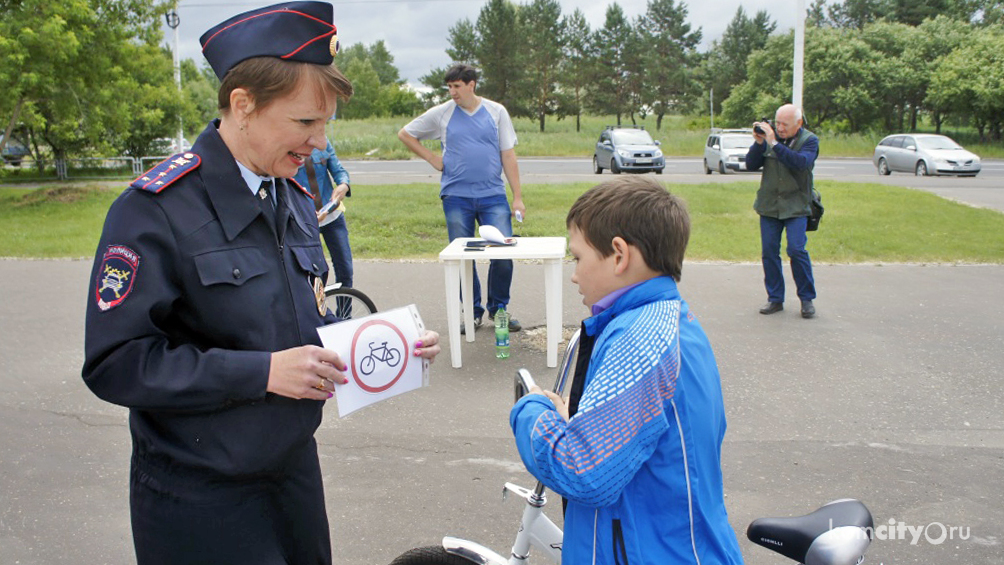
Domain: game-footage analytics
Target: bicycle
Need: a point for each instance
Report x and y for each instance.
(384, 354)
(347, 302)
(838, 533)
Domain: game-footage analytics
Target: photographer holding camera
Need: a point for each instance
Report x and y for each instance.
(787, 153)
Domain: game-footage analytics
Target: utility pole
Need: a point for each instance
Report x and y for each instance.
(173, 21)
(798, 64)
(711, 102)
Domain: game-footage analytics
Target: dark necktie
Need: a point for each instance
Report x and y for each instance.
(266, 203)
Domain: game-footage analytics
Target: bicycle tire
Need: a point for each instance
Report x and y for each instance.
(429, 555)
(354, 302)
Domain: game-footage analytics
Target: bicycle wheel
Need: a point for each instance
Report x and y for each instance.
(367, 365)
(347, 303)
(431, 555)
(393, 357)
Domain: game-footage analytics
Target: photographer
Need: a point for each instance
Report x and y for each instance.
(787, 152)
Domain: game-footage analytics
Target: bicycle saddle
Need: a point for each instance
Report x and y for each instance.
(836, 534)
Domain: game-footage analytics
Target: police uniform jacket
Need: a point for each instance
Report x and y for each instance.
(192, 288)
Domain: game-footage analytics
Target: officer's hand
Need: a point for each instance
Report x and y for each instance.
(305, 372)
(437, 162)
(427, 346)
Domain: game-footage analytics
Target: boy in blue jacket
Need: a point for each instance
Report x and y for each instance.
(636, 451)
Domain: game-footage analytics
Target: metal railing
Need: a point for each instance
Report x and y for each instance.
(81, 168)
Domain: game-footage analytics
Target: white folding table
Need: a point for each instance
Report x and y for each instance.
(458, 264)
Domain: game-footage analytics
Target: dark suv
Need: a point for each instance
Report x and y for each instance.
(627, 148)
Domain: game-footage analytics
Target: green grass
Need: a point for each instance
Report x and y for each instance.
(863, 222)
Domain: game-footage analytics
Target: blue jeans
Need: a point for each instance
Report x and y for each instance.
(336, 238)
(461, 213)
(801, 266)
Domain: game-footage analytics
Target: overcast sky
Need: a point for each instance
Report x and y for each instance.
(415, 31)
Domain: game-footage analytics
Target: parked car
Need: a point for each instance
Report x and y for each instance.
(924, 154)
(627, 148)
(14, 152)
(726, 150)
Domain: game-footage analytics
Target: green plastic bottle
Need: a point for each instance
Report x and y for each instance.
(501, 334)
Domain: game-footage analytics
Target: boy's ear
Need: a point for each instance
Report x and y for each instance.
(622, 255)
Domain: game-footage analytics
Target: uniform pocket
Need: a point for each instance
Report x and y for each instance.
(310, 258)
(230, 266)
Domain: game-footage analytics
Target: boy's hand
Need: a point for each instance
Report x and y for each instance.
(559, 403)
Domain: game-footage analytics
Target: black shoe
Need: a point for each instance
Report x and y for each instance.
(808, 310)
(477, 324)
(772, 308)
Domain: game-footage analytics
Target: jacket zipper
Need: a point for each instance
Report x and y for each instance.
(620, 550)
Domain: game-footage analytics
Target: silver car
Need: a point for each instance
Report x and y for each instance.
(924, 154)
(629, 149)
(726, 150)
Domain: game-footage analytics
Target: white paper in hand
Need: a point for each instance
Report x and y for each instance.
(378, 351)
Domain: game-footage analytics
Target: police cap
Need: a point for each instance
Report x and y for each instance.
(294, 31)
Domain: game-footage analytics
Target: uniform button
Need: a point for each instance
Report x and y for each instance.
(237, 273)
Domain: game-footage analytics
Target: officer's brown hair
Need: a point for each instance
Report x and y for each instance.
(268, 78)
(643, 213)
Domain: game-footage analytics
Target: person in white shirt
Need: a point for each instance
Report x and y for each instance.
(477, 138)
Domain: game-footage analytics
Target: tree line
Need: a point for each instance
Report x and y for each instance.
(87, 78)
(869, 64)
(94, 77)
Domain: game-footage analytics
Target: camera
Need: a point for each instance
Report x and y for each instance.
(759, 130)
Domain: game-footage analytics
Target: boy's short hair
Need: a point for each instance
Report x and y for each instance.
(643, 213)
(461, 72)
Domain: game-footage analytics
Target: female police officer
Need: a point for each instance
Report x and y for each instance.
(205, 297)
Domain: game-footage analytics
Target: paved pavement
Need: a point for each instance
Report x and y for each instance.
(892, 395)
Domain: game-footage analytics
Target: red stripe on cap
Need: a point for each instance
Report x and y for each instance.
(249, 18)
(304, 46)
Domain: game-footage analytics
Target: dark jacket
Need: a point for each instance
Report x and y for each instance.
(786, 184)
(208, 292)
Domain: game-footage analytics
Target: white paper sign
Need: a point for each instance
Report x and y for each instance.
(378, 350)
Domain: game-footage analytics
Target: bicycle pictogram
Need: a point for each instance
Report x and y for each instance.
(388, 355)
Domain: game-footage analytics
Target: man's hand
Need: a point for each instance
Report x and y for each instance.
(518, 206)
(436, 160)
(767, 135)
(416, 147)
(306, 372)
(559, 403)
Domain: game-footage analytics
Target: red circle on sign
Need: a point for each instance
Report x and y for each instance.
(404, 356)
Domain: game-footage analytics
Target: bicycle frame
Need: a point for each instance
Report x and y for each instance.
(536, 530)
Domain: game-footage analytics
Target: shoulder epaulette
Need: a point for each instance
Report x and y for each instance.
(302, 189)
(167, 171)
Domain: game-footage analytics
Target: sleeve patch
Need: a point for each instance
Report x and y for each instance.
(167, 171)
(116, 277)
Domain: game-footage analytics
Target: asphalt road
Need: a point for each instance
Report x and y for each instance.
(985, 190)
(892, 395)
